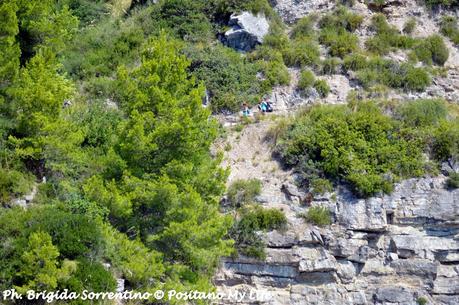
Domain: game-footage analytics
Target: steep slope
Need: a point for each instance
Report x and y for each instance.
(401, 248)
(387, 250)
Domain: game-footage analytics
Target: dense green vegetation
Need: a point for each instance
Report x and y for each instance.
(430, 50)
(377, 70)
(229, 77)
(101, 112)
(336, 32)
(361, 145)
(129, 181)
(372, 69)
(409, 26)
(387, 37)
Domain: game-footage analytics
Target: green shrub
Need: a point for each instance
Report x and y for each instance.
(186, 18)
(307, 80)
(241, 192)
(341, 18)
(422, 301)
(446, 140)
(356, 143)
(91, 276)
(320, 186)
(303, 28)
(244, 230)
(229, 78)
(340, 42)
(336, 31)
(13, 184)
(255, 248)
(261, 219)
(330, 65)
(416, 79)
(409, 26)
(275, 73)
(271, 219)
(422, 113)
(432, 50)
(319, 216)
(88, 11)
(389, 73)
(302, 52)
(322, 87)
(276, 39)
(387, 37)
(453, 181)
(450, 28)
(355, 62)
(75, 235)
(106, 46)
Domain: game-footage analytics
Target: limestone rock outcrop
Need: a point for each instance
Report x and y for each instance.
(392, 249)
(247, 31)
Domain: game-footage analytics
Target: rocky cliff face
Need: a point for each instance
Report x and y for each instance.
(389, 250)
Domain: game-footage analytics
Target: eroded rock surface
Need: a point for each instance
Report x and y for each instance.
(388, 250)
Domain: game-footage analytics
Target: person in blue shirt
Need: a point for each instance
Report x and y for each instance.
(245, 109)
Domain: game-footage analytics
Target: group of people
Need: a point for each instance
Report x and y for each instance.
(264, 106)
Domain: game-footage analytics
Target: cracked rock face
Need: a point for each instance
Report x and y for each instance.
(387, 250)
(247, 31)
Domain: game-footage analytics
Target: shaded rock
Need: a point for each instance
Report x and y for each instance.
(450, 166)
(346, 271)
(446, 299)
(262, 269)
(421, 245)
(419, 267)
(308, 236)
(315, 260)
(291, 190)
(342, 247)
(247, 31)
(282, 256)
(276, 239)
(394, 294)
(376, 267)
(447, 281)
(447, 256)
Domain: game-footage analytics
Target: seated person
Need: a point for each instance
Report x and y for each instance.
(245, 109)
(263, 106)
(269, 107)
